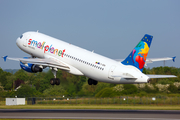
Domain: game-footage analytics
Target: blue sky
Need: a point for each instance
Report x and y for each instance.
(109, 27)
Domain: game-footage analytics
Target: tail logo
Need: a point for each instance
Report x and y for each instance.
(139, 54)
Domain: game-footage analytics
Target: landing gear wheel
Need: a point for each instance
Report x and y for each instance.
(95, 82)
(57, 81)
(52, 81)
(91, 81)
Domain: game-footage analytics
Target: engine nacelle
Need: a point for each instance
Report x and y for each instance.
(31, 67)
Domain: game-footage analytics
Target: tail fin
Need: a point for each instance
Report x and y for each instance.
(137, 57)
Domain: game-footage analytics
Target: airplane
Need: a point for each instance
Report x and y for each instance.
(56, 54)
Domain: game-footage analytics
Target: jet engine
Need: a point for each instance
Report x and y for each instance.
(32, 68)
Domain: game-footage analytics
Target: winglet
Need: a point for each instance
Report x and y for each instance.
(174, 58)
(5, 57)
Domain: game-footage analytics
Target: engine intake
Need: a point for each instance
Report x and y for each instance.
(36, 68)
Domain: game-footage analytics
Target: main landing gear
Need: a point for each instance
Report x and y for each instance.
(91, 81)
(54, 81)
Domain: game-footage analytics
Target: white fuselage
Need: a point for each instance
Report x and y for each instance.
(80, 61)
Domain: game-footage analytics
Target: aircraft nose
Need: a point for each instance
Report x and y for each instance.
(18, 42)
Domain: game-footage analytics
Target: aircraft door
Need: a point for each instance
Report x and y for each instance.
(111, 72)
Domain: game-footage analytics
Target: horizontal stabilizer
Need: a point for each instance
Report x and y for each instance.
(151, 60)
(161, 76)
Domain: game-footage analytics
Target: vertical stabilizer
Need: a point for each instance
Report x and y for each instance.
(137, 57)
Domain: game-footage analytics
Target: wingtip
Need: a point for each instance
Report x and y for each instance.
(5, 57)
(173, 58)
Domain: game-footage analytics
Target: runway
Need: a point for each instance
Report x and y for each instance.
(90, 114)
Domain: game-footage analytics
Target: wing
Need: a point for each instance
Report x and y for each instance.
(151, 60)
(161, 76)
(42, 62)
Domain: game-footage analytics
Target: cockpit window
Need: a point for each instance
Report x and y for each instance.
(21, 36)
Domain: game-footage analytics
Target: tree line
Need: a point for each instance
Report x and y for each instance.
(22, 83)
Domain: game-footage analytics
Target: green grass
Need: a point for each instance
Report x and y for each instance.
(131, 103)
(85, 106)
(111, 101)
